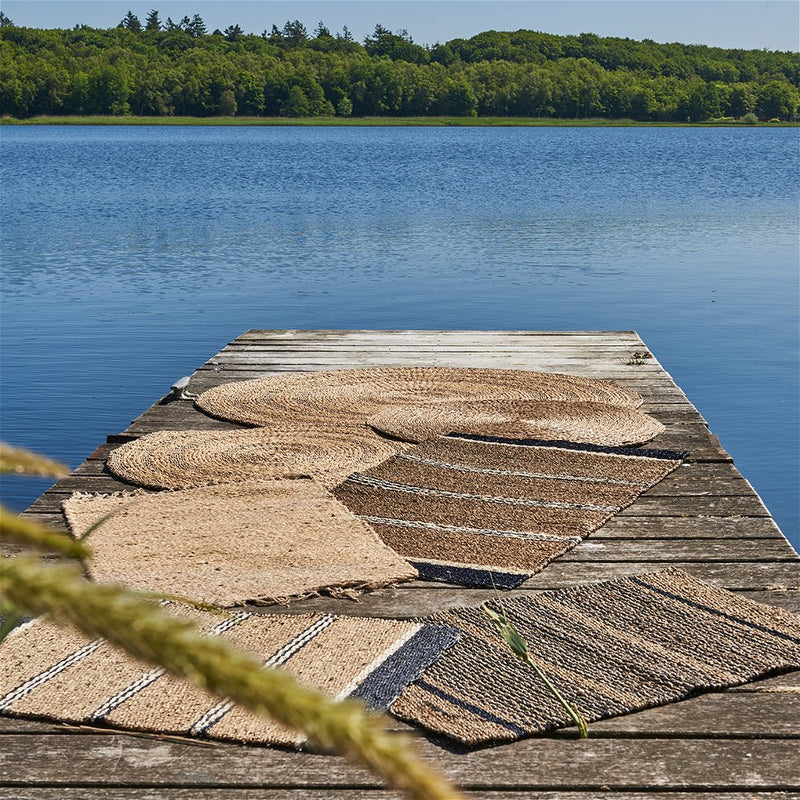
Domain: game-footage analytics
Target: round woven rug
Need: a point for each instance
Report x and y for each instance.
(186, 459)
(335, 397)
(590, 423)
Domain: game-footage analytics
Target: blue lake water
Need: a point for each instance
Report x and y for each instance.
(130, 255)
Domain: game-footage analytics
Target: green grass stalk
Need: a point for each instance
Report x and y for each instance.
(519, 647)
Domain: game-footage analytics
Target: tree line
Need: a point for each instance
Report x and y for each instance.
(161, 67)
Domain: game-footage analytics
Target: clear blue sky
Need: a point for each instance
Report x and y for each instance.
(772, 24)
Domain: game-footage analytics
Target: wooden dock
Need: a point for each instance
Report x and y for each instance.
(705, 518)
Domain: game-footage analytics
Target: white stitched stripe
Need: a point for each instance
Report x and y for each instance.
(517, 474)
(154, 674)
(409, 523)
(129, 691)
(29, 685)
(215, 714)
(391, 486)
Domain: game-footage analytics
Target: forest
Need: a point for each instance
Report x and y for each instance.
(156, 67)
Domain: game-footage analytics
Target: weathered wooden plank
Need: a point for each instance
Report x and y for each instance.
(700, 505)
(437, 333)
(606, 367)
(419, 600)
(618, 370)
(544, 763)
(537, 344)
(650, 381)
(586, 351)
(170, 793)
(755, 575)
(689, 528)
(727, 715)
(592, 550)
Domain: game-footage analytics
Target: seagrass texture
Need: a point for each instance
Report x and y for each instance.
(574, 421)
(184, 459)
(328, 398)
(610, 648)
(256, 541)
(490, 511)
(57, 673)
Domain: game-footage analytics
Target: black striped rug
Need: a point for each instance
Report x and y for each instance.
(490, 511)
(610, 648)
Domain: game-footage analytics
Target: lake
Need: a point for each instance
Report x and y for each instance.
(131, 255)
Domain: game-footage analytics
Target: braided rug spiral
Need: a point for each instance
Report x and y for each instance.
(186, 459)
(329, 398)
(590, 423)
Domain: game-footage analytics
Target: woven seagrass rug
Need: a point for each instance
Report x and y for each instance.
(185, 459)
(575, 421)
(59, 674)
(610, 648)
(256, 541)
(330, 398)
(490, 511)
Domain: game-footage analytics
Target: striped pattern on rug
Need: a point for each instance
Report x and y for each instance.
(59, 674)
(490, 511)
(610, 648)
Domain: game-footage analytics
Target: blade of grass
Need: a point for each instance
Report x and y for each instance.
(519, 647)
(11, 618)
(17, 530)
(23, 462)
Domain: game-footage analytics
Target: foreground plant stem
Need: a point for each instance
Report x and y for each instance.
(147, 633)
(519, 647)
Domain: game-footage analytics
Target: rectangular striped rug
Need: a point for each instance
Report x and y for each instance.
(610, 648)
(56, 673)
(488, 511)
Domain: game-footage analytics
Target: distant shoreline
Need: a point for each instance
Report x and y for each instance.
(477, 122)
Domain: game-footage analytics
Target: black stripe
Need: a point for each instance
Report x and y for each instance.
(468, 576)
(384, 685)
(717, 612)
(671, 455)
(476, 710)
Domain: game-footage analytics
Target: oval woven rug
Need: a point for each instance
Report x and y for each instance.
(339, 396)
(576, 421)
(184, 459)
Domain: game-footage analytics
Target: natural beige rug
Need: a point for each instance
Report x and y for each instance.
(492, 511)
(348, 397)
(610, 648)
(256, 542)
(184, 459)
(574, 421)
(57, 673)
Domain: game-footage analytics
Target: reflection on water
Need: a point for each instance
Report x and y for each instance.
(130, 255)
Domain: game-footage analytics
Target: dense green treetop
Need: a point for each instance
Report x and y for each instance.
(164, 67)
